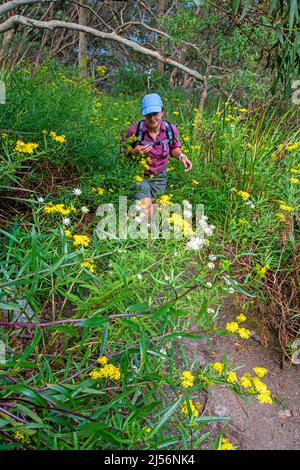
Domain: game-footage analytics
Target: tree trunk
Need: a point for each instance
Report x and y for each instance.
(205, 82)
(6, 39)
(161, 5)
(82, 53)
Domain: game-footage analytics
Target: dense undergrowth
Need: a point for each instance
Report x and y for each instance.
(129, 301)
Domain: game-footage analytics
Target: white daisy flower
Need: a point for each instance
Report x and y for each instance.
(41, 199)
(85, 210)
(210, 310)
(139, 276)
(208, 284)
(66, 221)
(210, 265)
(77, 191)
(195, 243)
(212, 257)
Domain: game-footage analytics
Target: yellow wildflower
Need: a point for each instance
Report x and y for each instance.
(99, 191)
(101, 69)
(243, 221)
(103, 360)
(241, 318)
(195, 182)
(165, 200)
(109, 371)
(68, 233)
(231, 377)
(138, 179)
(243, 110)
(243, 194)
(147, 429)
(244, 333)
(51, 208)
(218, 367)
(82, 240)
(194, 408)
(260, 371)
(280, 216)
(259, 386)
(176, 113)
(232, 327)
(286, 208)
(226, 445)
(58, 138)
(187, 379)
(90, 265)
(245, 381)
(25, 148)
(264, 398)
(294, 180)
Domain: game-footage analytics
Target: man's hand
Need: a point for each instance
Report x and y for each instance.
(141, 148)
(187, 163)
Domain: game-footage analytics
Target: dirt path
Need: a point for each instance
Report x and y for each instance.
(253, 425)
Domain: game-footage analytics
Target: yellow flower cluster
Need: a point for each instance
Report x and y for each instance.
(194, 408)
(231, 377)
(58, 138)
(90, 265)
(225, 444)
(108, 371)
(165, 200)
(218, 367)
(280, 216)
(25, 148)
(262, 270)
(233, 327)
(243, 221)
(101, 69)
(144, 163)
(20, 436)
(176, 113)
(182, 224)
(255, 386)
(103, 360)
(99, 191)
(187, 379)
(294, 180)
(81, 240)
(292, 146)
(285, 207)
(195, 182)
(243, 194)
(138, 179)
(51, 208)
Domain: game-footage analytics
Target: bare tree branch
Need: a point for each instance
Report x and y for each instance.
(57, 24)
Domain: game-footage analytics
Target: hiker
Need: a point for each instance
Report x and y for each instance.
(157, 139)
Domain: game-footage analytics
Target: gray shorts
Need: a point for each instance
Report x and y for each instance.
(152, 187)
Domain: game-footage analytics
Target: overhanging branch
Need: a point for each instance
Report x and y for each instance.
(57, 24)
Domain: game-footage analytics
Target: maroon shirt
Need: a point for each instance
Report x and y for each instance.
(158, 160)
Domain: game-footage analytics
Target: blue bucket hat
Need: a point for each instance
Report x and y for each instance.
(151, 104)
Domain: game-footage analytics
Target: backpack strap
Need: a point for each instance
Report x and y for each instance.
(140, 131)
(170, 133)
